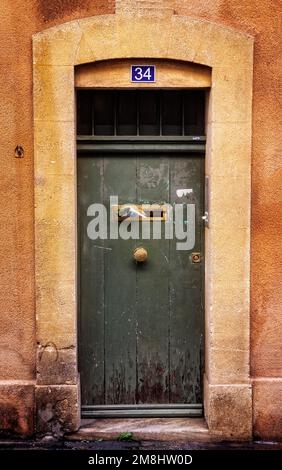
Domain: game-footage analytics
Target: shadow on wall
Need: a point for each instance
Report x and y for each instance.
(55, 9)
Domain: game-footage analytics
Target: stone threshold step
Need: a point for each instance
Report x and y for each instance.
(142, 429)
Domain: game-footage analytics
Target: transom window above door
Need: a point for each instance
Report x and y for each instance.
(140, 112)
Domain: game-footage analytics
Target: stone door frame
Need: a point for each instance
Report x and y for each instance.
(229, 54)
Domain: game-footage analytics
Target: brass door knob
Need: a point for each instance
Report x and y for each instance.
(140, 254)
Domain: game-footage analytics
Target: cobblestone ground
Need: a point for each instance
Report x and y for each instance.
(50, 443)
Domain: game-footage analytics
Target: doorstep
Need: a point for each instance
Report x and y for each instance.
(143, 429)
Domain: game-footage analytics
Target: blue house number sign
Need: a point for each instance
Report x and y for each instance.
(143, 73)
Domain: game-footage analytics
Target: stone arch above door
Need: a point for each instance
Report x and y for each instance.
(56, 52)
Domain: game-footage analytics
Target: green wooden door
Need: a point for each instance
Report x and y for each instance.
(140, 325)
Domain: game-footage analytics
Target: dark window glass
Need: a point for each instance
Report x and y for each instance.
(84, 112)
(127, 113)
(194, 112)
(103, 111)
(171, 113)
(149, 113)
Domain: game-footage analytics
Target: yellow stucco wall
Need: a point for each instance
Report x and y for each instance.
(17, 295)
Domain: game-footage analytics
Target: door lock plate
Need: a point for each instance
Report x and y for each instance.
(196, 258)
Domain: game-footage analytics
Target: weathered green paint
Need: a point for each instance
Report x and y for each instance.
(141, 326)
(152, 301)
(91, 285)
(120, 283)
(186, 294)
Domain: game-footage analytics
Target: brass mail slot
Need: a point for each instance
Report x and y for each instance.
(143, 212)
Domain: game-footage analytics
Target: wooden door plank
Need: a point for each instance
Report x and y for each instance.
(186, 294)
(120, 291)
(152, 301)
(91, 285)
